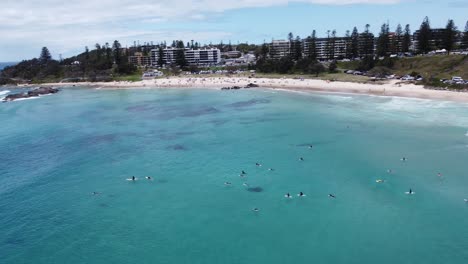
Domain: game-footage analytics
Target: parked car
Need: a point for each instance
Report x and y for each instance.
(407, 78)
(358, 73)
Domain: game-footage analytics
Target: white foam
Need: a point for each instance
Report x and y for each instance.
(4, 92)
(23, 99)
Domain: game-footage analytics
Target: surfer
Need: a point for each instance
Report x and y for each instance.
(148, 178)
(439, 174)
(404, 159)
(270, 169)
(258, 164)
(133, 178)
(331, 196)
(311, 146)
(301, 159)
(390, 171)
(243, 173)
(410, 191)
(301, 194)
(227, 183)
(288, 196)
(255, 209)
(96, 193)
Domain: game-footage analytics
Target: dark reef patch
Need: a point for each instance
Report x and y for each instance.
(200, 112)
(255, 189)
(177, 147)
(249, 103)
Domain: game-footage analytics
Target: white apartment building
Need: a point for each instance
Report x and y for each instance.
(204, 56)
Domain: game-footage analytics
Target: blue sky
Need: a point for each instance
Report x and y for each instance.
(67, 27)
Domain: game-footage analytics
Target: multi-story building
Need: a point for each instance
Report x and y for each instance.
(204, 56)
(327, 48)
(139, 60)
(280, 49)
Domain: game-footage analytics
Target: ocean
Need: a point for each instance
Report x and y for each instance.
(57, 150)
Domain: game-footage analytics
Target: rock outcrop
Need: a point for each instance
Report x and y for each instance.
(33, 93)
(250, 85)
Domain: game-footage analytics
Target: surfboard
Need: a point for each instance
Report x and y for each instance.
(380, 181)
(130, 179)
(410, 193)
(301, 195)
(289, 197)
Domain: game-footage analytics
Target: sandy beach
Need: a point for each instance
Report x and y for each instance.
(387, 88)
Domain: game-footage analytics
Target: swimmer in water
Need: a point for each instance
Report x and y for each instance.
(255, 209)
(439, 174)
(227, 183)
(270, 169)
(404, 159)
(96, 193)
(301, 159)
(331, 196)
(258, 164)
(311, 146)
(243, 173)
(148, 178)
(288, 196)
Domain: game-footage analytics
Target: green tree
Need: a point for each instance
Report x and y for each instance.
(45, 55)
(355, 43)
(366, 40)
(464, 42)
(297, 48)
(180, 54)
(424, 36)
(332, 67)
(406, 44)
(383, 42)
(313, 46)
(285, 65)
(450, 36)
(161, 61)
(397, 40)
(348, 44)
(116, 52)
(316, 68)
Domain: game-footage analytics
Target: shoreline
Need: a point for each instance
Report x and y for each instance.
(387, 88)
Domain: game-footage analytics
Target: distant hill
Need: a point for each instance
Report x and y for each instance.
(5, 64)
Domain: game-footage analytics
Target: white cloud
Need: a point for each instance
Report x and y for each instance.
(75, 23)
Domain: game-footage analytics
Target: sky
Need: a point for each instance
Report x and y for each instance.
(66, 27)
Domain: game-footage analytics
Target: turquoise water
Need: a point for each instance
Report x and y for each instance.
(56, 150)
